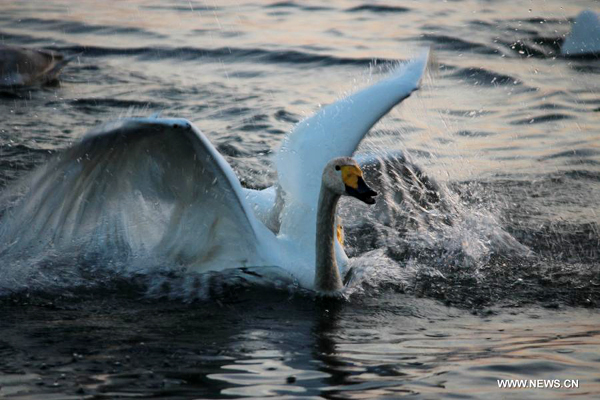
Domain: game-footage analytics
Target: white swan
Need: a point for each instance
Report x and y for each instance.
(150, 186)
(20, 66)
(584, 37)
(336, 130)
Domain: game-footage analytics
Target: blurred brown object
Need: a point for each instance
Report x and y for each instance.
(20, 66)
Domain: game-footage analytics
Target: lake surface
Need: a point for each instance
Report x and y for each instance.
(500, 279)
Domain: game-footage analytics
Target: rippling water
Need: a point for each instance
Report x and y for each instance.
(496, 277)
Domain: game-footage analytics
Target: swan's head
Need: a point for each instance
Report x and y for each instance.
(343, 176)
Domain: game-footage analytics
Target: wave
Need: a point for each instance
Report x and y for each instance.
(378, 9)
(455, 44)
(75, 28)
(189, 7)
(6, 37)
(480, 76)
(543, 47)
(575, 153)
(291, 4)
(537, 47)
(468, 133)
(114, 103)
(586, 69)
(220, 54)
(542, 119)
(18, 159)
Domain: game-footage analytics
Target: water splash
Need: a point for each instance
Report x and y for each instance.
(421, 227)
(418, 228)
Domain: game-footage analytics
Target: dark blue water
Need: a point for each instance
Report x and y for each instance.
(494, 276)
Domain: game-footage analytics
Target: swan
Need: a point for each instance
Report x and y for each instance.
(20, 66)
(584, 37)
(289, 206)
(157, 189)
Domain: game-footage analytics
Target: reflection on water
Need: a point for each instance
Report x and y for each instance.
(273, 345)
(426, 351)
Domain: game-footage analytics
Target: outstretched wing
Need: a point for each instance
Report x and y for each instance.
(141, 186)
(337, 129)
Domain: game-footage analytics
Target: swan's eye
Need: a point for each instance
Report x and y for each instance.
(337, 168)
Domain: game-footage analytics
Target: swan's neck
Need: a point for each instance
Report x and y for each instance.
(327, 276)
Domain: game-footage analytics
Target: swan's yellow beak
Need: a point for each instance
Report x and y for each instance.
(355, 184)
